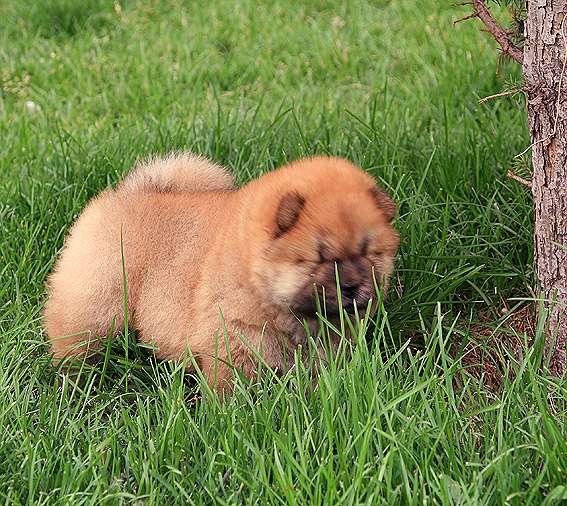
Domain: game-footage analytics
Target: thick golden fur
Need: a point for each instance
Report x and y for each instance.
(195, 247)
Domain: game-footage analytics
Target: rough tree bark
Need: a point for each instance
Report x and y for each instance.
(544, 64)
(544, 68)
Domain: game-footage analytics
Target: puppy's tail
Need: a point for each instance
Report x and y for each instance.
(177, 172)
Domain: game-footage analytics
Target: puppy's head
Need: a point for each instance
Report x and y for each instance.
(316, 218)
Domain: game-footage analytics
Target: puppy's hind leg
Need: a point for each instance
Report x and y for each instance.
(86, 292)
(78, 318)
(85, 305)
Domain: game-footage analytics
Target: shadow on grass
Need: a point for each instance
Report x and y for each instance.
(67, 18)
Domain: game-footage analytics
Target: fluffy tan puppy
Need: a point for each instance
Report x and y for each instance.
(195, 247)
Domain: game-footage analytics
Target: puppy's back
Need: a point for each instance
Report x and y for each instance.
(86, 286)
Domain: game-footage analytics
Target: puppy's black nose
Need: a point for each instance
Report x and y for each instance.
(350, 278)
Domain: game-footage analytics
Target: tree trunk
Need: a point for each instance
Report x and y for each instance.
(543, 68)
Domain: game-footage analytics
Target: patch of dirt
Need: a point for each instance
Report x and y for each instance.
(493, 346)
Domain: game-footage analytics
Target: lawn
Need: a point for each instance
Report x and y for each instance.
(87, 87)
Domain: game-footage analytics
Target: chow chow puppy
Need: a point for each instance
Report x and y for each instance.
(195, 248)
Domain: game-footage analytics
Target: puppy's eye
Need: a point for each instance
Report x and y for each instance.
(321, 252)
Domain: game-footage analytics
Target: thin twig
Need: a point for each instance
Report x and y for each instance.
(500, 35)
(464, 18)
(503, 94)
(513, 176)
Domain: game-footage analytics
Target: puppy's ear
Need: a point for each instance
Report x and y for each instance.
(384, 202)
(288, 213)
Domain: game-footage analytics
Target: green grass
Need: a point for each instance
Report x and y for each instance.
(392, 86)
